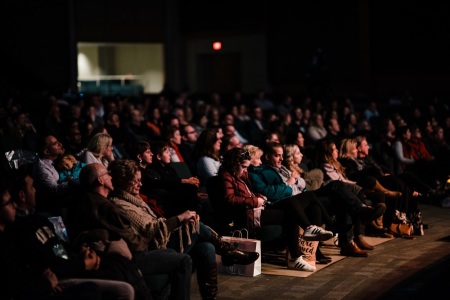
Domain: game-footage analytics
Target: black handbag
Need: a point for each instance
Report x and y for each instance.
(416, 221)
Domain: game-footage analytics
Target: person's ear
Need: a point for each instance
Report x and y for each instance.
(139, 157)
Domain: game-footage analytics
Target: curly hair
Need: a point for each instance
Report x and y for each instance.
(253, 150)
(232, 160)
(122, 172)
(99, 143)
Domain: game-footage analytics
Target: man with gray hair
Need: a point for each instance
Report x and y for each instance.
(159, 267)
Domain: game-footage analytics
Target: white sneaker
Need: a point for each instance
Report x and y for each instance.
(300, 264)
(316, 233)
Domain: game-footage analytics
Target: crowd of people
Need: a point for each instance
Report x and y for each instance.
(133, 228)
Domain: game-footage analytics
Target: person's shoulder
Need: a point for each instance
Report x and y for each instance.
(80, 165)
(253, 168)
(326, 166)
(151, 172)
(41, 162)
(266, 168)
(205, 159)
(93, 195)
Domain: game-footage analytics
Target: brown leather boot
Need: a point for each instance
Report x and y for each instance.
(362, 244)
(351, 249)
(394, 195)
(231, 255)
(368, 213)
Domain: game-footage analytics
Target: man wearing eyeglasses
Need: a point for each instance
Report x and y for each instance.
(157, 266)
(188, 139)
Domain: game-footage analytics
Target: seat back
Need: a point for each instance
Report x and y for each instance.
(227, 218)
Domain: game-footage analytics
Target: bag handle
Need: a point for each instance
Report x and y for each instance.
(240, 233)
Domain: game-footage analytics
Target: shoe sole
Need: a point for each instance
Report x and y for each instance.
(295, 269)
(323, 261)
(355, 255)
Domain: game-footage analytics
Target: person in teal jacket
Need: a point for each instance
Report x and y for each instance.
(285, 188)
(303, 207)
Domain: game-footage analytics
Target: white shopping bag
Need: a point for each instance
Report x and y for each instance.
(242, 243)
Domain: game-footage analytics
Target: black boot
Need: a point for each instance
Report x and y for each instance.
(230, 255)
(207, 281)
(322, 259)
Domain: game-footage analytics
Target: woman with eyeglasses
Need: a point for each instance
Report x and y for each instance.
(290, 212)
(184, 232)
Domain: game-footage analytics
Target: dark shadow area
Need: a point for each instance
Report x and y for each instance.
(428, 282)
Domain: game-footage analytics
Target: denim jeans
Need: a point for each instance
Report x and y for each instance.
(200, 249)
(167, 261)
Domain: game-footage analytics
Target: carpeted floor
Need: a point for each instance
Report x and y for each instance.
(277, 265)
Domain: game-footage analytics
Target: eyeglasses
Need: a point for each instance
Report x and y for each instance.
(191, 132)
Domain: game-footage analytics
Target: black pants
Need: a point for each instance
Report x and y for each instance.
(302, 210)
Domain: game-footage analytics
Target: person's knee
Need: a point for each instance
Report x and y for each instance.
(206, 252)
(186, 263)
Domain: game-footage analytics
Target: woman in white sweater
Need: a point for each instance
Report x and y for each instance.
(207, 151)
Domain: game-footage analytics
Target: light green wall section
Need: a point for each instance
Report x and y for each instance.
(88, 64)
(142, 60)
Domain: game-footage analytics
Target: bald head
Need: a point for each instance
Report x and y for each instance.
(90, 174)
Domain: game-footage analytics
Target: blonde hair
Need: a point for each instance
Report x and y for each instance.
(253, 150)
(288, 158)
(347, 145)
(99, 143)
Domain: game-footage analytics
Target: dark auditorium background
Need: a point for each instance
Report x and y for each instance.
(378, 49)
